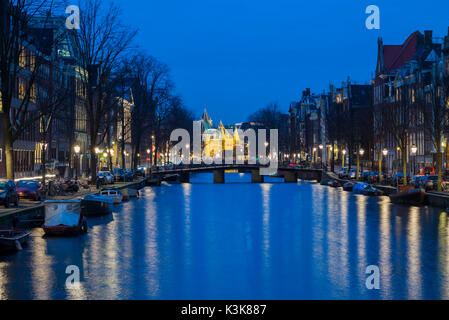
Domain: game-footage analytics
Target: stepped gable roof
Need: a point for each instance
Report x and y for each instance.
(395, 56)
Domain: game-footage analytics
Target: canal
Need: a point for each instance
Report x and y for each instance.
(241, 241)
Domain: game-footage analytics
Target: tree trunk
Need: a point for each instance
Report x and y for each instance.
(93, 164)
(358, 166)
(333, 158)
(9, 151)
(440, 170)
(404, 166)
(380, 166)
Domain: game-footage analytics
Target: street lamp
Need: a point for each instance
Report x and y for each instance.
(414, 149)
(77, 150)
(344, 158)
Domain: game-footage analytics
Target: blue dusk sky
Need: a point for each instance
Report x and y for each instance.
(235, 56)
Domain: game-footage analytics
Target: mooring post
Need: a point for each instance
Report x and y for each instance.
(290, 177)
(219, 176)
(256, 177)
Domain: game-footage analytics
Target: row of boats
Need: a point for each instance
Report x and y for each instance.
(69, 217)
(409, 195)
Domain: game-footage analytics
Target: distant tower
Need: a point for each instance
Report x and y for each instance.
(292, 130)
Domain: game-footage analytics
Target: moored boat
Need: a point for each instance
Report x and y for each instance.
(359, 187)
(334, 184)
(64, 218)
(409, 195)
(348, 186)
(13, 239)
(96, 205)
(114, 194)
(372, 191)
(125, 195)
(171, 178)
(133, 193)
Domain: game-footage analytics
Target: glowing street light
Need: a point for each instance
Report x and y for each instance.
(385, 152)
(414, 149)
(362, 152)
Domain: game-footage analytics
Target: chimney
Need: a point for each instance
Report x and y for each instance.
(428, 38)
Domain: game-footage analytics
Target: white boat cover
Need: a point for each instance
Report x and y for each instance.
(98, 198)
(65, 213)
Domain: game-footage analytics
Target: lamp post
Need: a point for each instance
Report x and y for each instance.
(361, 153)
(43, 146)
(344, 158)
(77, 150)
(414, 149)
(385, 153)
(321, 147)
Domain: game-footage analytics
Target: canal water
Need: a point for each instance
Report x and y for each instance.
(241, 241)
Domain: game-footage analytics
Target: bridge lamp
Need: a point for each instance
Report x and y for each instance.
(385, 152)
(362, 152)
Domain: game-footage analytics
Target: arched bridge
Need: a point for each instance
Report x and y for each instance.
(290, 174)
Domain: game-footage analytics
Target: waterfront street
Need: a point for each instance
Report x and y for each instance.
(241, 241)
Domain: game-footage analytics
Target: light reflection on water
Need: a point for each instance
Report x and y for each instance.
(241, 241)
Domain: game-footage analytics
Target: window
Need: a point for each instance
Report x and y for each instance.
(1, 154)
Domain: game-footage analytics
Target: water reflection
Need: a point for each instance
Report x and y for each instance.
(241, 241)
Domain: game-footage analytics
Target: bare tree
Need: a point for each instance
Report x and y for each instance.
(101, 41)
(435, 121)
(152, 89)
(397, 122)
(19, 69)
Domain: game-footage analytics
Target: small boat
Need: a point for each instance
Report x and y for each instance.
(348, 186)
(133, 193)
(334, 184)
(409, 195)
(13, 239)
(64, 218)
(372, 191)
(155, 182)
(125, 195)
(171, 178)
(96, 205)
(114, 194)
(359, 187)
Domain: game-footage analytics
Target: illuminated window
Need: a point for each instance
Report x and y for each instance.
(1, 154)
(22, 57)
(33, 93)
(21, 90)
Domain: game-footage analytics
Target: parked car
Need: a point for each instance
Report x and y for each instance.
(365, 175)
(398, 177)
(129, 174)
(105, 177)
(417, 181)
(426, 171)
(430, 182)
(352, 174)
(343, 173)
(8, 194)
(29, 190)
(119, 174)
